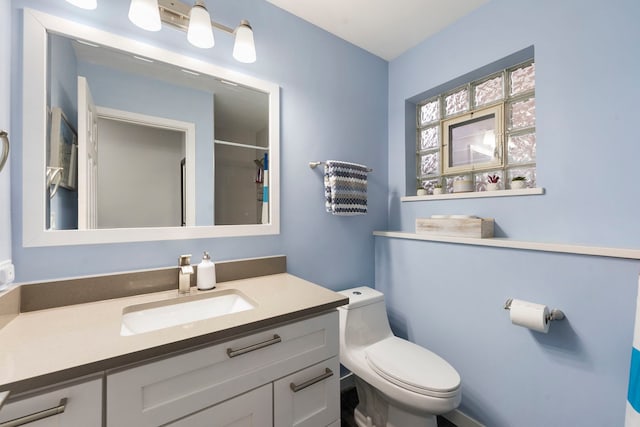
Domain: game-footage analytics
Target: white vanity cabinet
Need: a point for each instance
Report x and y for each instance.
(71, 404)
(244, 381)
(251, 409)
(308, 398)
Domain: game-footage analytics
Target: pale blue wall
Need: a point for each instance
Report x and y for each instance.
(449, 297)
(5, 117)
(333, 106)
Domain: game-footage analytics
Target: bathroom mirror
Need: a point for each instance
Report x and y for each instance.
(182, 143)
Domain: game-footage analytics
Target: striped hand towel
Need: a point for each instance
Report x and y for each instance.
(633, 396)
(345, 188)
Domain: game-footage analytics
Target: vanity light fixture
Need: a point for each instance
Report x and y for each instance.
(199, 32)
(145, 14)
(195, 20)
(84, 4)
(244, 50)
(198, 24)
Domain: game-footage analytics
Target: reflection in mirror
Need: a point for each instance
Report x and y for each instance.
(144, 119)
(146, 139)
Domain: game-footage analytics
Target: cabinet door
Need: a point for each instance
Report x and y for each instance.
(310, 397)
(83, 406)
(166, 390)
(252, 409)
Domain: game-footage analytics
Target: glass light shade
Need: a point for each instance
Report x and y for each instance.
(200, 33)
(244, 50)
(84, 4)
(145, 14)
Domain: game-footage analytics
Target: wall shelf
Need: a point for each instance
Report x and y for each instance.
(517, 244)
(475, 195)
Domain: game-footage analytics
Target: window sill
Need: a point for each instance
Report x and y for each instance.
(475, 195)
(518, 244)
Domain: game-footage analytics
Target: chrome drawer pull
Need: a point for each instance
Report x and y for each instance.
(239, 352)
(297, 387)
(37, 415)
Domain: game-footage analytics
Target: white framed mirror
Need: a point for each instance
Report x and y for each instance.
(209, 162)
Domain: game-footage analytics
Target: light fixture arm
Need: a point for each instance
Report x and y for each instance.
(176, 13)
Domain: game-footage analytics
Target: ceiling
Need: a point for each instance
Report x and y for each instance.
(386, 28)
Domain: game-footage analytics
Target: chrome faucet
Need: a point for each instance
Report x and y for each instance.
(184, 275)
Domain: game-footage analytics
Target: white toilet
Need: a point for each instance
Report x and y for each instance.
(399, 383)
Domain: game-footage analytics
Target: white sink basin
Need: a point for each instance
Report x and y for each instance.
(137, 319)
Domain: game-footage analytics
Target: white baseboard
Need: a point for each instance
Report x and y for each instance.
(461, 420)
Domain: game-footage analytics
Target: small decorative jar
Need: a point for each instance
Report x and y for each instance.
(462, 185)
(517, 184)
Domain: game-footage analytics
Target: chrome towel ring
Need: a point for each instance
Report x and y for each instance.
(4, 138)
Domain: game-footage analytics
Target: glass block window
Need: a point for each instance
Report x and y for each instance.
(523, 79)
(522, 148)
(429, 112)
(430, 163)
(511, 93)
(522, 114)
(430, 137)
(489, 91)
(457, 102)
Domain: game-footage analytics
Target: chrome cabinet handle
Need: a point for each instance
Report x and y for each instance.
(297, 387)
(37, 415)
(4, 137)
(233, 353)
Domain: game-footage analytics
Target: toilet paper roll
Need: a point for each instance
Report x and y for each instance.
(530, 315)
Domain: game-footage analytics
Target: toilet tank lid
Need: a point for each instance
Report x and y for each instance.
(361, 296)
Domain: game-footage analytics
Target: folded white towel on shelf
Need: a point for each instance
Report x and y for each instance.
(345, 188)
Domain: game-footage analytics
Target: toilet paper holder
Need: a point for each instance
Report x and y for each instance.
(554, 314)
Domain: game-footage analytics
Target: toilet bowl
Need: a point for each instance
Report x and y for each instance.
(399, 383)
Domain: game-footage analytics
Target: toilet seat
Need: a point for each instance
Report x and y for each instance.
(412, 367)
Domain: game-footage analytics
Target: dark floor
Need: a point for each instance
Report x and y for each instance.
(349, 401)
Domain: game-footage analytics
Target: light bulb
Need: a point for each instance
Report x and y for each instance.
(244, 50)
(145, 14)
(84, 4)
(200, 33)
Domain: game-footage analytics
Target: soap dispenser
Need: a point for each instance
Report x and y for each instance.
(206, 274)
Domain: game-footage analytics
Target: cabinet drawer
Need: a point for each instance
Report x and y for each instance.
(83, 406)
(163, 391)
(252, 409)
(310, 397)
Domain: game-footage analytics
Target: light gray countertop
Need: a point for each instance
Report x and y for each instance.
(43, 347)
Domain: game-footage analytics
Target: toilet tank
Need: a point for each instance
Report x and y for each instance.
(364, 320)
